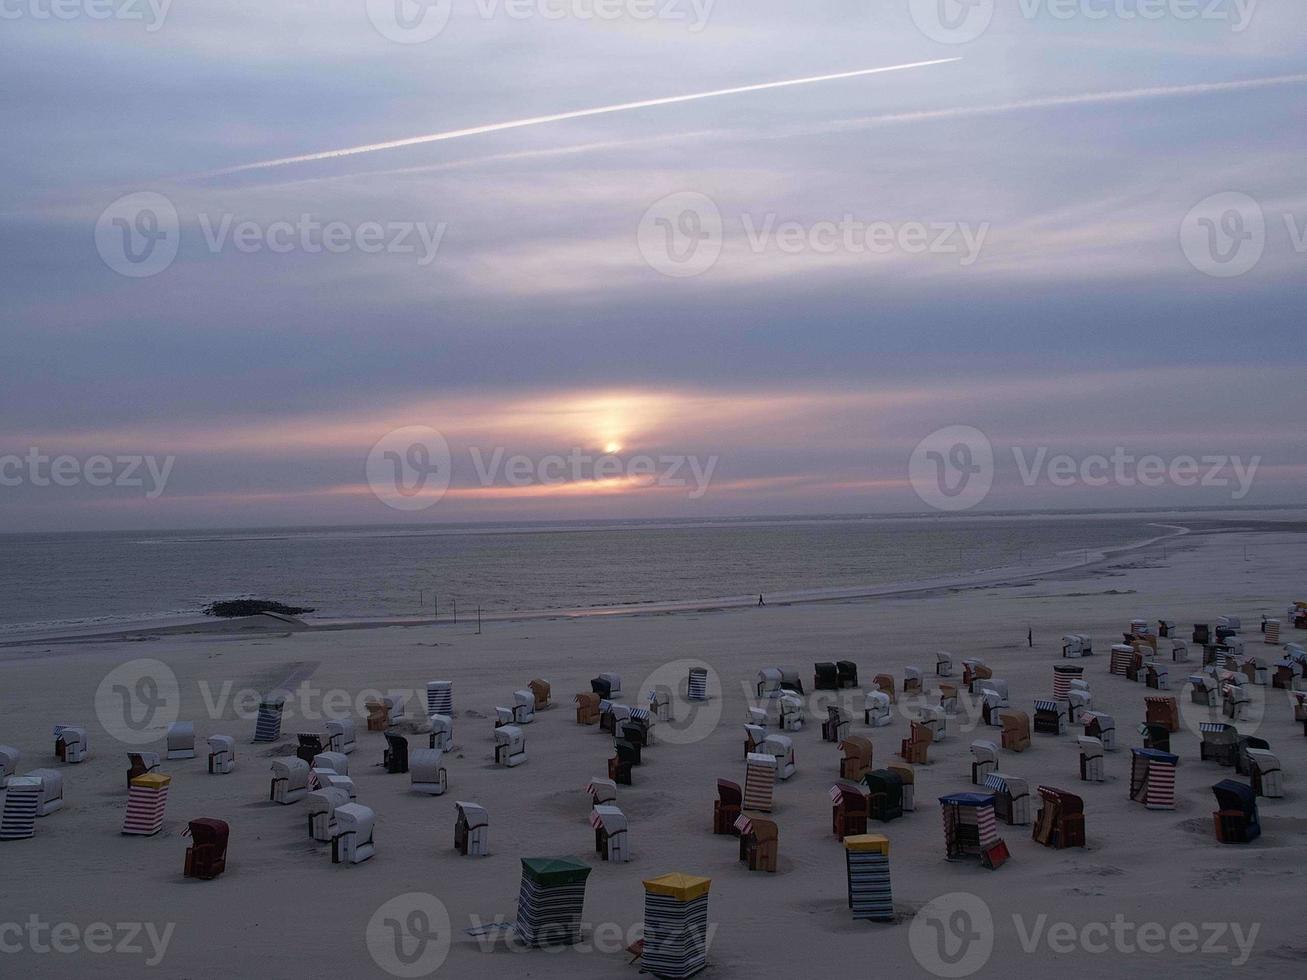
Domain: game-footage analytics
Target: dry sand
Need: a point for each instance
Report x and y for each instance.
(282, 909)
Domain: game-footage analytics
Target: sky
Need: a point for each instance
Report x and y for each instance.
(1072, 230)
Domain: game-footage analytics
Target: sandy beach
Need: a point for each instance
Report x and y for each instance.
(283, 909)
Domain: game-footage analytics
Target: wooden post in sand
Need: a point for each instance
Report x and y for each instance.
(455, 601)
(478, 620)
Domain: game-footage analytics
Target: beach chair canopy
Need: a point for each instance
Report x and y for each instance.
(984, 750)
(610, 819)
(790, 680)
(473, 815)
(729, 793)
(554, 872)
(884, 781)
(1233, 795)
(326, 800)
(1068, 802)
(968, 799)
(875, 700)
(1156, 755)
(1013, 786)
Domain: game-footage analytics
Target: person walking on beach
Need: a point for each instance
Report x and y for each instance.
(760, 602)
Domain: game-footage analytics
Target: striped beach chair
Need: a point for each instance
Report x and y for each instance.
(440, 698)
(22, 799)
(471, 829)
(550, 901)
(1060, 821)
(1050, 717)
(697, 685)
(1122, 657)
(759, 781)
(146, 801)
(1011, 798)
(866, 859)
(675, 926)
(612, 841)
(1152, 778)
(1063, 675)
(353, 841)
(267, 723)
(222, 754)
(971, 829)
(1091, 759)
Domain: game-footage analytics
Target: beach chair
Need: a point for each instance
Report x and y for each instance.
(857, 759)
(836, 726)
(640, 727)
(850, 808)
(696, 689)
(876, 709)
(754, 737)
(996, 685)
(181, 740)
(614, 685)
(51, 797)
(1299, 707)
(612, 842)
(510, 746)
(9, 757)
(782, 747)
(1179, 652)
(442, 733)
(379, 713)
(1078, 703)
(885, 684)
(915, 749)
(756, 716)
(675, 943)
(394, 757)
(1163, 711)
(1234, 701)
(943, 664)
(848, 672)
(1204, 690)
(321, 805)
(935, 719)
(660, 701)
(1267, 779)
(147, 798)
(1072, 648)
(587, 709)
(1219, 744)
(790, 680)
(826, 677)
(601, 687)
(222, 754)
(21, 799)
(352, 843)
(1157, 676)
(601, 791)
(791, 706)
(1121, 660)
(912, 680)
(767, 683)
(139, 763)
(1063, 675)
(866, 859)
(1011, 798)
(267, 723)
(759, 781)
(524, 707)
(206, 857)
(759, 842)
(1102, 727)
(1202, 634)
(70, 743)
(290, 780)
(984, 760)
(1166, 628)
(340, 735)
(611, 715)
(550, 901)
(1156, 736)
(471, 829)
(1060, 822)
(440, 698)
(974, 669)
(907, 783)
(1243, 763)
(1255, 670)
(1235, 819)
(426, 774)
(310, 746)
(1152, 778)
(1016, 730)
(885, 795)
(540, 691)
(971, 829)
(948, 698)
(626, 757)
(1091, 760)
(728, 805)
(1050, 717)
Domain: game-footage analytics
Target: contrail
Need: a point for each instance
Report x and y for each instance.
(454, 134)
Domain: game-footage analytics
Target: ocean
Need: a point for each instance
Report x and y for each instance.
(80, 581)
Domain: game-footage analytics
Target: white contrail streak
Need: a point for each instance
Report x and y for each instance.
(454, 134)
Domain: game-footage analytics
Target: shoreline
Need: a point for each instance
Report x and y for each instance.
(977, 578)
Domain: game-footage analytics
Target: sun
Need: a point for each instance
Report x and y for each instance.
(612, 447)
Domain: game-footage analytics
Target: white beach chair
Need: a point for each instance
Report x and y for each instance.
(1179, 652)
(352, 842)
(471, 829)
(943, 664)
(426, 774)
(984, 760)
(602, 791)
(1100, 726)
(876, 709)
(322, 805)
(222, 754)
(70, 743)
(1091, 759)
(768, 681)
(791, 706)
(1078, 702)
(51, 796)
(936, 719)
(510, 746)
(1011, 798)
(660, 704)
(1072, 646)
(442, 733)
(340, 735)
(614, 685)
(1268, 781)
(754, 738)
(612, 840)
(290, 780)
(337, 762)
(912, 680)
(524, 707)
(181, 740)
(782, 747)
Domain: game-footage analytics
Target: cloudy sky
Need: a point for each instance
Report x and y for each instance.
(793, 286)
